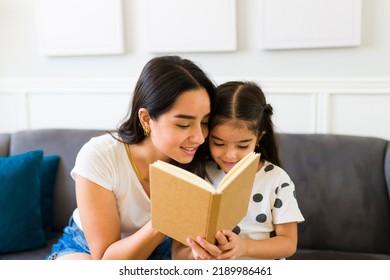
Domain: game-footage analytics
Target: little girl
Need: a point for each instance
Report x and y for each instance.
(242, 124)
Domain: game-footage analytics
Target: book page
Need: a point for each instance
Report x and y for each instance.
(184, 174)
(234, 172)
(236, 195)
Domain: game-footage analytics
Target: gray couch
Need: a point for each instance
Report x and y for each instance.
(63, 142)
(342, 185)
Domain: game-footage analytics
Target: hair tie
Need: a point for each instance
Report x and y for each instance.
(268, 109)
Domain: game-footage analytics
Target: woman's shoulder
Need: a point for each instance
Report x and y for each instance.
(101, 146)
(104, 141)
(104, 138)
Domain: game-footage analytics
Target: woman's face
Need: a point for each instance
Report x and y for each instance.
(229, 144)
(179, 132)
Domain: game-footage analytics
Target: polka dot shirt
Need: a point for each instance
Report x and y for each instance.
(273, 201)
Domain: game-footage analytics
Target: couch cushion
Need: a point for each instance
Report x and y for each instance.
(307, 254)
(36, 254)
(65, 143)
(47, 177)
(341, 190)
(20, 212)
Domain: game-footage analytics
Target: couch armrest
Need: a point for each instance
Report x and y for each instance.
(387, 168)
(4, 144)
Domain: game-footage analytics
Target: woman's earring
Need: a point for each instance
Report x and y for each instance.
(146, 132)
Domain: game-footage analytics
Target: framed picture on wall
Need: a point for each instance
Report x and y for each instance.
(310, 24)
(74, 27)
(191, 25)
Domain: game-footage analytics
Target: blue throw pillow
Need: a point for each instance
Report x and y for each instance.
(20, 203)
(48, 174)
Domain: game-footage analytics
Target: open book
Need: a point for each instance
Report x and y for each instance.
(185, 205)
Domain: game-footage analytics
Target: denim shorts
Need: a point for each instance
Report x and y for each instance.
(73, 241)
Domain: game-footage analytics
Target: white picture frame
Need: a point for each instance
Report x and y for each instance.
(80, 27)
(191, 26)
(298, 24)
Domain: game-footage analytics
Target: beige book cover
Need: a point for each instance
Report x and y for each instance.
(185, 205)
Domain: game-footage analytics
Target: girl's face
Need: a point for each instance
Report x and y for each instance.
(230, 143)
(179, 132)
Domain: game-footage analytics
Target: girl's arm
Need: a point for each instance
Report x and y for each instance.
(283, 245)
(232, 246)
(101, 225)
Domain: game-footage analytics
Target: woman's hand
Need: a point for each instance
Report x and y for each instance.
(203, 250)
(229, 247)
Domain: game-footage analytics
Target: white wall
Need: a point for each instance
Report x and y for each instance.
(329, 90)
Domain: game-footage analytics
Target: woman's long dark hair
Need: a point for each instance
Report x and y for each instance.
(245, 102)
(162, 80)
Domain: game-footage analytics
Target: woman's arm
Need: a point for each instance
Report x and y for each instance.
(181, 252)
(101, 225)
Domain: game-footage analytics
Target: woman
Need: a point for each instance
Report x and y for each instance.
(168, 120)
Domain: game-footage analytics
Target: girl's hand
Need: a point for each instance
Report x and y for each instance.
(231, 245)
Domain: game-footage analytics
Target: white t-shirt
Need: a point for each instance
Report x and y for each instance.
(104, 161)
(272, 201)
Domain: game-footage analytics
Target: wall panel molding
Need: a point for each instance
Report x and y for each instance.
(322, 105)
